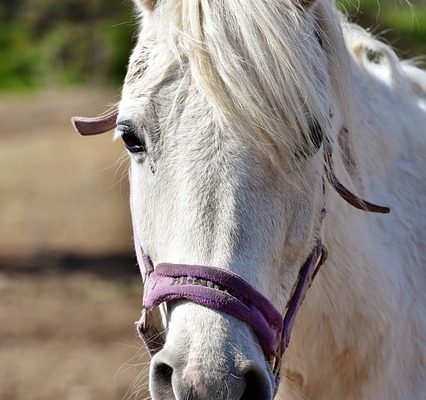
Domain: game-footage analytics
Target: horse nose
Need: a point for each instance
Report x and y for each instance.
(171, 380)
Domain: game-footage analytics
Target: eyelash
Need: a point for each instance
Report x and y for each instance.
(133, 142)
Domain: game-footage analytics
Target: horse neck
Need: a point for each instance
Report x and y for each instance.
(358, 324)
(340, 332)
(349, 331)
(340, 329)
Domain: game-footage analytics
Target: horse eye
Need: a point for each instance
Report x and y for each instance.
(131, 140)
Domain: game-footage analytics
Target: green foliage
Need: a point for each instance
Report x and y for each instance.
(51, 42)
(62, 42)
(19, 60)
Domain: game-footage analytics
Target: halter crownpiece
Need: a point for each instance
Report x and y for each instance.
(345, 193)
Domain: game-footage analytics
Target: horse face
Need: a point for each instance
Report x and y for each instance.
(204, 193)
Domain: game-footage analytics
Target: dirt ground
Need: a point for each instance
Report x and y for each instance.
(69, 285)
(59, 191)
(69, 338)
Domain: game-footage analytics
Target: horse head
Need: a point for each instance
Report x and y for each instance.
(215, 127)
(227, 113)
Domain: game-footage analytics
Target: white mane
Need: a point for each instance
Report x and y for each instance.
(281, 95)
(285, 87)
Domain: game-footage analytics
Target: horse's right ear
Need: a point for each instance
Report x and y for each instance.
(95, 125)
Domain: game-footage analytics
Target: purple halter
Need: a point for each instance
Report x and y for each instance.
(224, 291)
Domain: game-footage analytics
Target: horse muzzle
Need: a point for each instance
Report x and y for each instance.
(209, 355)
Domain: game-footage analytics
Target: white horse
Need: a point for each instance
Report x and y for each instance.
(218, 104)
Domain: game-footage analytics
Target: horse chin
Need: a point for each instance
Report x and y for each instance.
(209, 355)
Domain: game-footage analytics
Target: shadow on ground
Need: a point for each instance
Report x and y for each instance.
(67, 329)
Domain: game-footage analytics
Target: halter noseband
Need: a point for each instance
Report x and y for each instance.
(222, 290)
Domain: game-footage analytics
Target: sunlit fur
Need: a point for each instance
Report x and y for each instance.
(223, 92)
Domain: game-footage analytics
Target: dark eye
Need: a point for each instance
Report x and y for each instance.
(133, 142)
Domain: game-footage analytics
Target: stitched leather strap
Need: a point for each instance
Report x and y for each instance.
(343, 191)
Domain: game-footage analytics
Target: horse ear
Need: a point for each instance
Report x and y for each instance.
(145, 5)
(95, 125)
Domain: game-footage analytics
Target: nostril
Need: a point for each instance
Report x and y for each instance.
(172, 378)
(161, 381)
(257, 386)
(163, 371)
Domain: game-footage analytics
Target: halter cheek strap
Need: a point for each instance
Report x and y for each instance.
(343, 192)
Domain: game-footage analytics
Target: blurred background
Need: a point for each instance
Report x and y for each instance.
(69, 285)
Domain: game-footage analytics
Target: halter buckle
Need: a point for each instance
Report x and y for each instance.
(142, 324)
(276, 363)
